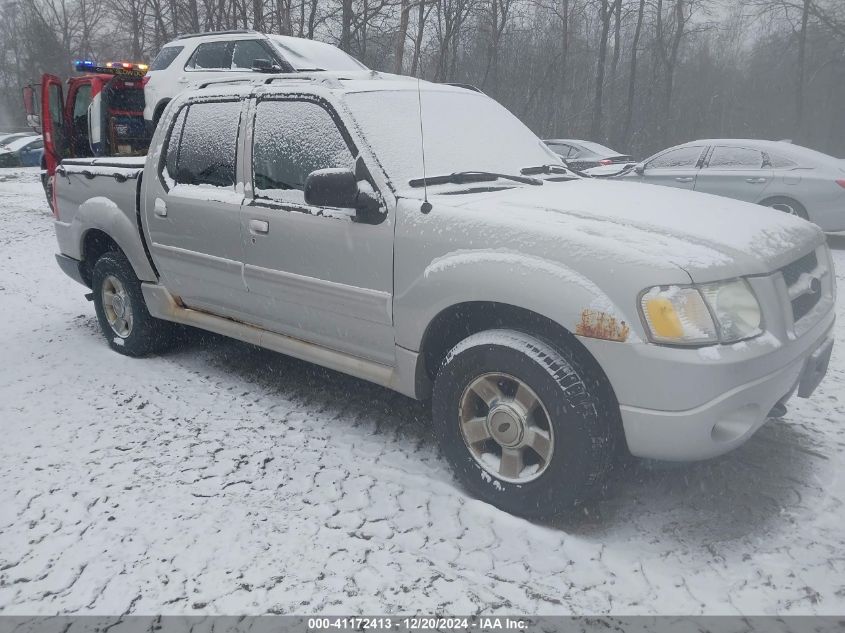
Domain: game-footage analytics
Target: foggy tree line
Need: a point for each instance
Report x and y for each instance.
(638, 75)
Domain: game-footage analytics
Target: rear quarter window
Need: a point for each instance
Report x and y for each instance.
(781, 162)
(165, 57)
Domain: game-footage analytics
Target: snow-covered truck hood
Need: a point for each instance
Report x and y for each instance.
(710, 237)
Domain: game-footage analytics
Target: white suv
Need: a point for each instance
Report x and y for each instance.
(204, 56)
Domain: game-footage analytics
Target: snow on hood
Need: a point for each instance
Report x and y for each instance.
(710, 237)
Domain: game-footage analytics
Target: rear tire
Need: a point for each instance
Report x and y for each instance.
(787, 205)
(123, 316)
(503, 393)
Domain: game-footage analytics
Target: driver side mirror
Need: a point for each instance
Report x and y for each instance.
(339, 188)
(332, 188)
(639, 169)
(265, 66)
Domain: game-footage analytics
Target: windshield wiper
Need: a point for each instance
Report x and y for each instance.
(463, 177)
(545, 169)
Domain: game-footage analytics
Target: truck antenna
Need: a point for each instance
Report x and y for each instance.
(426, 205)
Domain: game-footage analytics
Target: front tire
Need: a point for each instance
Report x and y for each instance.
(123, 316)
(523, 423)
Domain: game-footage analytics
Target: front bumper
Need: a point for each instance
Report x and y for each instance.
(722, 424)
(686, 404)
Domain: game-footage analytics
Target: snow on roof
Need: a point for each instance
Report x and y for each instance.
(18, 143)
(337, 80)
(783, 148)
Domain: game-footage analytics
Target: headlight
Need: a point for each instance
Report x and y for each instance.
(678, 315)
(684, 315)
(735, 308)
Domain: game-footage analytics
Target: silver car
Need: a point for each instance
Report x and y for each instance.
(776, 174)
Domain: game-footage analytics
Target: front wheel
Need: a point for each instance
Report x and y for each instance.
(124, 319)
(523, 423)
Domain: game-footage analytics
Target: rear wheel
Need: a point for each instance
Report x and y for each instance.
(787, 205)
(123, 316)
(522, 423)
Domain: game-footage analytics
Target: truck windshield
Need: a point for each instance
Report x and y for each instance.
(464, 131)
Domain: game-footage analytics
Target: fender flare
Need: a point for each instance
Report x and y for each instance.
(102, 214)
(547, 288)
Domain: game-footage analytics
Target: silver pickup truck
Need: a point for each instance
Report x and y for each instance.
(555, 322)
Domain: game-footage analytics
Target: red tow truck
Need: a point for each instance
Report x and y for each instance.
(103, 114)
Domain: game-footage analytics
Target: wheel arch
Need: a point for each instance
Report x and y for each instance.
(95, 243)
(159, 110)
(101, 226)
(768, 200)
(459, 321)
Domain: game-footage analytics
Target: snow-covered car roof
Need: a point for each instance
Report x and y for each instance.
(18, 143)
(783, 148)
(303, 54)
(7, 137)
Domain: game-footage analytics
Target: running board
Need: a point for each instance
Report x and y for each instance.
(162, 305)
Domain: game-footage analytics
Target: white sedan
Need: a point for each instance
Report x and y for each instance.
(776, 174)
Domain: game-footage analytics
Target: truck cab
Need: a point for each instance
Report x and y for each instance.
(102, 113)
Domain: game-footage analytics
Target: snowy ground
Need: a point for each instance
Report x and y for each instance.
(221, 478)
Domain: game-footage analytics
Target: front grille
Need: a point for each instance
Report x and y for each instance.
(791, 272)
(802, 296)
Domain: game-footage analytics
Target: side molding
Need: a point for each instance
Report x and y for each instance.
(401, 377)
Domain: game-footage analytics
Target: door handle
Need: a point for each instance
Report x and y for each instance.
(684, 178)
(259, 226)
(160, 208)
(755, 181)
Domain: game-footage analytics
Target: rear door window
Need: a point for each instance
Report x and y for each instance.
(165, 57)
(208, 145)
(212, 56)
(735, 158)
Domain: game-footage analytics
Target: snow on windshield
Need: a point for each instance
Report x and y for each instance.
(312, 55)
(464, 131)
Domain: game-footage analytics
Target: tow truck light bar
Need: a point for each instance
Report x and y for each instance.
(125, 69)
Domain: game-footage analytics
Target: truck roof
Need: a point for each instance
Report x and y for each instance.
(343, 81)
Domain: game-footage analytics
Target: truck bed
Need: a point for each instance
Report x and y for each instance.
(101, 194)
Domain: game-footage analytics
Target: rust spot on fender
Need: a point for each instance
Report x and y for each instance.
(596, 324)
